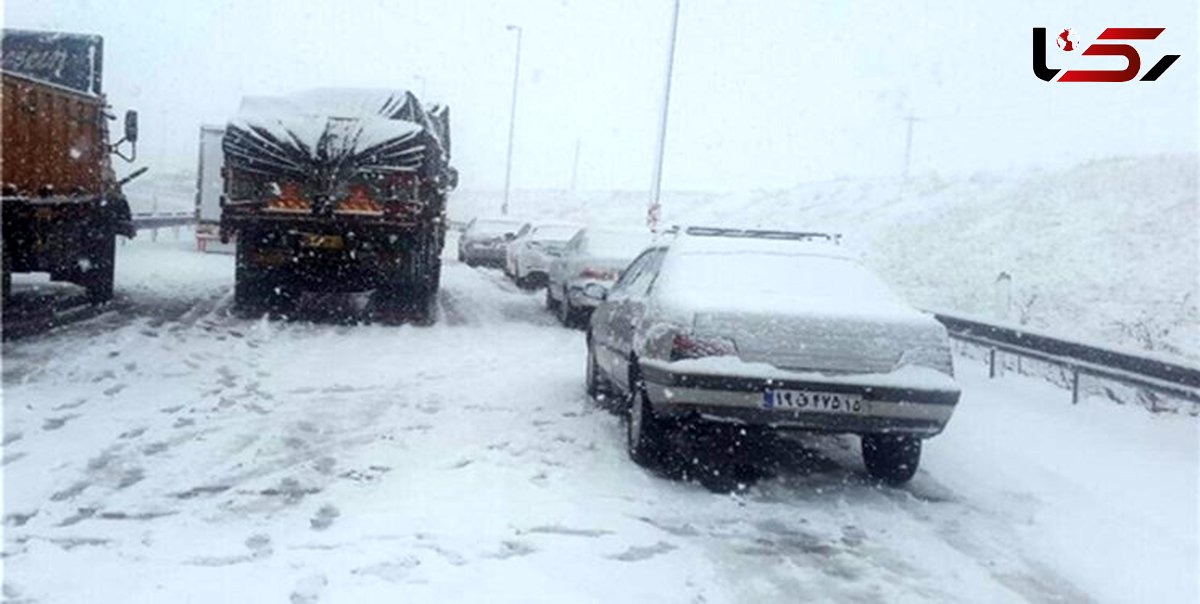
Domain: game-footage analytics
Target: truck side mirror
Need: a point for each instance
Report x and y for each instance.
(131, 126)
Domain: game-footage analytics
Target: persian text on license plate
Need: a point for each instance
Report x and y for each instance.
(808, 400)
(322, 242)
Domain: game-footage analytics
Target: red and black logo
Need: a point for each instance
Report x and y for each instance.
(1067, 42)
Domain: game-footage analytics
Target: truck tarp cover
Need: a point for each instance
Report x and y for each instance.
(69, 60)
(322, 136)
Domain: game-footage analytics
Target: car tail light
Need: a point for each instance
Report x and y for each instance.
(686, 346)
(598, 274)
(358, 202)
(289, 199)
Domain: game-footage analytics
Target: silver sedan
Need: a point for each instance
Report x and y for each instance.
(592, 261)
(769, 330)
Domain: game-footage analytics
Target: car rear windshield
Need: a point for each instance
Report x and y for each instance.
(495, 227)
(616, 245)
(736, 275)
(554, 233)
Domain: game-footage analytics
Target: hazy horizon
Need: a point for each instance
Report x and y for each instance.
(764, 96)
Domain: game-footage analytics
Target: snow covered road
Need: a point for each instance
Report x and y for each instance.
(171, 452)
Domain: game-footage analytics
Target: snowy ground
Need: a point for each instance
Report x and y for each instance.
(170, 452)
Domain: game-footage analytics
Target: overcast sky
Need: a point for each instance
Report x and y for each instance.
(766, 94)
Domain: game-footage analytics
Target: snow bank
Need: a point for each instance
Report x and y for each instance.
(1104, 251)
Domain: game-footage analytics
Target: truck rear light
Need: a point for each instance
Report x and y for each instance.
(598, 274)
(289, 199)
(686, 346)
(358, 202)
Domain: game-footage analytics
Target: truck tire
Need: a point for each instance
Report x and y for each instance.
(98, 279)
(7, 272)
(249, 291)
(256, 289)
(891, 458)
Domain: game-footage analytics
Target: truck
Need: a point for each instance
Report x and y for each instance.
(209, 189)
(336, 191)
(62, 206)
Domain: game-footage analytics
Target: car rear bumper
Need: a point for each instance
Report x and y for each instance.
(921, 413)
(484, 255)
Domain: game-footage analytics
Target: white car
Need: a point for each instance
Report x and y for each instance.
(484, 240)
(529, 255)
(769, 330)
(592, 261)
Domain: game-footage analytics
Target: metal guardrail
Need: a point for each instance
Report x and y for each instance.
(1174, 377)
(151, 220)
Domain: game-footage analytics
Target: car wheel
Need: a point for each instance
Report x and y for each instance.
(891, 458)
(566, 314)
(592, 380)
(646, 435)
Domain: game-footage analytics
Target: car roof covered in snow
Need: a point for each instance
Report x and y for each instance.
(714, 240)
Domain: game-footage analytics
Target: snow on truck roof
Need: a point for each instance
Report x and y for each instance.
(337, 102)
(373, 130)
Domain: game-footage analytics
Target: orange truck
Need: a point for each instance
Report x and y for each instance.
(62, 203)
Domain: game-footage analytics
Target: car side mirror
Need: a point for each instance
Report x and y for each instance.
(595, 292)
(131, 126)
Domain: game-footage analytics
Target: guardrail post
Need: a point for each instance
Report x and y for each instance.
(992, 363)
(1074, 385)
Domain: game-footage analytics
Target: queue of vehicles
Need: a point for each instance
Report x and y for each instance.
(739, 333)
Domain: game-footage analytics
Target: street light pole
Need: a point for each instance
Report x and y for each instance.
(512, 120)
(652, 212)
(912, 120)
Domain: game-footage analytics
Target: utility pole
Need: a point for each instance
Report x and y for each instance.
(512, 120)
(653, 211)
(911, 119)
(575, 167)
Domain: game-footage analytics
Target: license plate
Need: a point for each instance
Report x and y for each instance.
(322, 242)
(812, 401)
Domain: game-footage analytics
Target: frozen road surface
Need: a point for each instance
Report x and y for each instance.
(170, 452)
